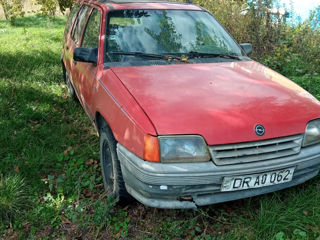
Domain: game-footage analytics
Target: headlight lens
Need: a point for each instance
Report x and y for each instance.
(312, 134)
(183, 149)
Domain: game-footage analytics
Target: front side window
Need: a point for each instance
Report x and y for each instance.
(167, 32)
(79, 24)
(91, 35)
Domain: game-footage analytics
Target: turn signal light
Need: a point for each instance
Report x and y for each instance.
(151, 149)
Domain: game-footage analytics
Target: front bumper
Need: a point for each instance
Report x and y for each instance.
(169, 185)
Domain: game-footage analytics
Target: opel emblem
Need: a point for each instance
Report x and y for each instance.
(260, 130)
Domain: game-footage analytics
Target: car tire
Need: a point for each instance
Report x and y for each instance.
(110, 166)
(71, 90)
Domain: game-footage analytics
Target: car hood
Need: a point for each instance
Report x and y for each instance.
(223, 102)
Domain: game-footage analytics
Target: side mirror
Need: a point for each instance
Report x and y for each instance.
(247, 48)
(89, 55)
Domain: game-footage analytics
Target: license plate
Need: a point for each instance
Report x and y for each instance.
(257, 180)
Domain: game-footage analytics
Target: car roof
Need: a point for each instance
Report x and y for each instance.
(145, 4)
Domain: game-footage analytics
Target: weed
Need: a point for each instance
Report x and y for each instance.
(14, 198)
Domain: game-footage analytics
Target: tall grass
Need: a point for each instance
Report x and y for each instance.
(14, 197)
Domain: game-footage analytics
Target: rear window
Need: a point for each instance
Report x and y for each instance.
(80, 23)
(72, 16)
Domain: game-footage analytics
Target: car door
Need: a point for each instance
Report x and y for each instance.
(67, 54)
(86, 72)
(75, 41)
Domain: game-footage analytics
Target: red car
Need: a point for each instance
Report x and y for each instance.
(185, 117)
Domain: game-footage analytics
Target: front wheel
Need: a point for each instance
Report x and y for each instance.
(110, 165)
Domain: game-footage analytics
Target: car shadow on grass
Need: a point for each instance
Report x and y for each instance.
(38, 119)
(33, 66)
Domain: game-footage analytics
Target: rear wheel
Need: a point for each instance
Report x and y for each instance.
(110, 165)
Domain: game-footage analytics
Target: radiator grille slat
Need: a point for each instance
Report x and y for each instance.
(256, 151)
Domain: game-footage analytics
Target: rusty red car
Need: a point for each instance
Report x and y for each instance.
(185, 117)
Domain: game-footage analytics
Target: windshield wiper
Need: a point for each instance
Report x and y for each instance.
(147, 55)
(194, 54)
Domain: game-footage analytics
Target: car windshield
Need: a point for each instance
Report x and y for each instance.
(161, 32)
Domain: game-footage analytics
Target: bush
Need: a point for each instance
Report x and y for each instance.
(12, 9)
(292, 49)
(49, 7)
(14, 198)
(298, 54)
(248, 22)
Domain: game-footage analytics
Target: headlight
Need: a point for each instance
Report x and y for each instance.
(312, 134)
(183, 149)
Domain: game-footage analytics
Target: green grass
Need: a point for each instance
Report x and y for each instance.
(47, 140)
(14, 198)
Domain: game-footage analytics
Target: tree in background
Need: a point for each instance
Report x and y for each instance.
(49, 7)
(291, 49)
(12, 9)
(249, 21)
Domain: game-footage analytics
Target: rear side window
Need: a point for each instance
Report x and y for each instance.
(72, 16)
(91, 35)
(79, 24)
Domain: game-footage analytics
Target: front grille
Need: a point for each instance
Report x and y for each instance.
(256, 151)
